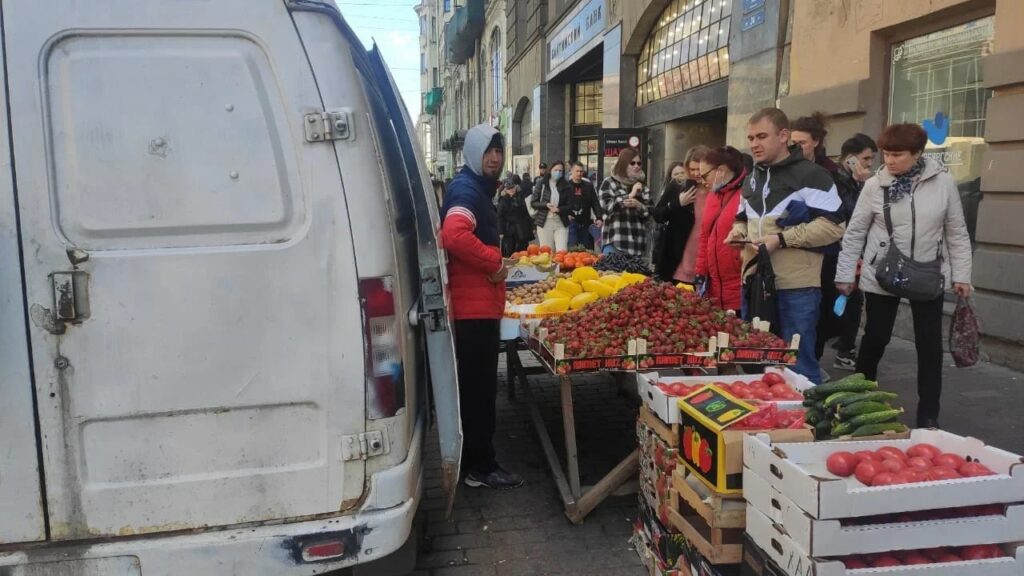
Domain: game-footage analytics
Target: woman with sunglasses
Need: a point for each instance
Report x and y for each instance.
(626, 202)
(675, 253)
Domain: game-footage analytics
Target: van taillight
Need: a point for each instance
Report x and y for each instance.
(385, 390)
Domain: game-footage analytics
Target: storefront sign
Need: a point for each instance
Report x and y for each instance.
(749, 5)
(575, 33)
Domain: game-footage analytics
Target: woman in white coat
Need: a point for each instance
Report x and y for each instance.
(928, 222)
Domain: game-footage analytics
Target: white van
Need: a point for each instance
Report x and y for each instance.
(221, 297)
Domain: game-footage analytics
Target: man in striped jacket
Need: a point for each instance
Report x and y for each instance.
(792, 207)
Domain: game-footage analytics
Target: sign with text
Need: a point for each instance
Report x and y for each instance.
(579, 29)
(727, 355)
(615, 140)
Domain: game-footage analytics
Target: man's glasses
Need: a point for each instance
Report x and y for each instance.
(704, 176)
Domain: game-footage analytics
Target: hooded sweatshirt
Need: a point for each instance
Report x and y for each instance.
(469, 233)
(771, 193)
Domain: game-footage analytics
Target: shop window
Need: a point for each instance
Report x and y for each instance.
(936, 81)
(526, 128)
(585, 151)
(688, 47)
(587, 105)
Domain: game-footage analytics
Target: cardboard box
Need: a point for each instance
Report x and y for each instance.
(668, 545)
(756, 562)
(667, 408)
(821, 538)
(793, 561)
(707, 446)
(726, 353)
(527, 274)
(797, 471)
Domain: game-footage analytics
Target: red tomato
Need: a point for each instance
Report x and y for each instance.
(866, 470)
(867, 455)
(891, 452)
(919, 463)
(924, 450)
(971, 469)
(934, 553)
(893, 465)
(779, 390)
(885, 561)
(948, 557)
(854, 562)
(842, 464)
(883, 479)
(907, 476)
(981, 552)
(941, 473)
(773, 378)
(954, 461)
(758, 384)
(914, 557)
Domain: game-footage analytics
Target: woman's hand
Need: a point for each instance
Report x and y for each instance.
(553, 208)
(688, 197)
(962, 290)
(735, 237)
(845, 287)
(637, 190)
(631, 203)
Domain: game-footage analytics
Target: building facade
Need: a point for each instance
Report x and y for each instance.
(462, 78)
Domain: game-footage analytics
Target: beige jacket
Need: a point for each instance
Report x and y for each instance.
(941, 229)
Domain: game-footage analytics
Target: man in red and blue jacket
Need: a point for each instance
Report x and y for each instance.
(476, 274)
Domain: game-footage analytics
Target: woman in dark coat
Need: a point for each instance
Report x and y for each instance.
(675, 210)
(514, 222)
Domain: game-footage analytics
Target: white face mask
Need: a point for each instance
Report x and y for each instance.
(557, 174)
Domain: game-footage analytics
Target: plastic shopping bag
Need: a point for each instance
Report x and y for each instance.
(963, 334)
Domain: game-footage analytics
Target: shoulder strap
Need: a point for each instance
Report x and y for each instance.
(887, 212)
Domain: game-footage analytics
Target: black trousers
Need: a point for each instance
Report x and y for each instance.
(881, 316)
(477, 345)
(512, 243)
(844, 327)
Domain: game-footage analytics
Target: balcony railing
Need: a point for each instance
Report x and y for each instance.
(463, 30)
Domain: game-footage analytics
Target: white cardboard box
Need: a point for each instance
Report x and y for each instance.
(819, 538)
(797, 471)
(667, 409)
(774, 541)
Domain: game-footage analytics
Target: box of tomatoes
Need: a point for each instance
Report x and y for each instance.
(660, 392)
(854, 479)
(712, 424)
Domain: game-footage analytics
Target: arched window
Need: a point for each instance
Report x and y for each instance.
(522, 128)
(688, 47)
(497, 70)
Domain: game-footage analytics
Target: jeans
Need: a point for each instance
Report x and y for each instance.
(477, 345)
(881, 316)
(579, 235)
(798, 314)
(607, 249)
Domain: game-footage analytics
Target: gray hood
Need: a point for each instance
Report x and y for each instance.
(473, 149)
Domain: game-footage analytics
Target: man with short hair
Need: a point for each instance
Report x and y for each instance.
(856, 159)
(476, 272)
(586, 209)
(542, 177)
(791, 206)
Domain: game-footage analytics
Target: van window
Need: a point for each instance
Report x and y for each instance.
(165, 141)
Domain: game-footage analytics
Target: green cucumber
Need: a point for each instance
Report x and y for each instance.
(834, 399)
(874, 395)
(813, 416)
(841, 429)
(873, 429)
(823, 430)
(855, 383)
(863, 407)
(875, 417)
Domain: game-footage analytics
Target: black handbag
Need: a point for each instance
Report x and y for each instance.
(905, 277)
(759, 289)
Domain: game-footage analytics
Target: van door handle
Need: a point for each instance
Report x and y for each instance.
(70, 296)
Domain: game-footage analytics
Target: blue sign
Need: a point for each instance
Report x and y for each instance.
(752, 20)
(937, 129)
(749, 5)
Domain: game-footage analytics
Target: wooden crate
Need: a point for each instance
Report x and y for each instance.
(713, 527)
(667, 432)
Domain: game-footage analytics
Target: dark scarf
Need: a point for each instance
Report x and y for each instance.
(904, 183)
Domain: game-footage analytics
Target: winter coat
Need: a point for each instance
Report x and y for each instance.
(584, 205)
(770, 194)
(469, 233)
(720, 262)
(680, 221)
(941, 228)
(625, 229)
(542, 196)
(513, 219)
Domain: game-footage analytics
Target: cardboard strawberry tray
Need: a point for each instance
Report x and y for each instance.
(798, 472)
(554, 358)
(728, 351)
(935, 528)
(774, 540)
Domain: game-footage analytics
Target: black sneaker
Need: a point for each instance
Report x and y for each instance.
(499, 479)
(846, 360)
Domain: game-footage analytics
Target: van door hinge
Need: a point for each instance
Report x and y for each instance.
(329, 125)
(366, 445)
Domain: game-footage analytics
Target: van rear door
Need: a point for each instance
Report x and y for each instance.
(195, 314)
(434, 309)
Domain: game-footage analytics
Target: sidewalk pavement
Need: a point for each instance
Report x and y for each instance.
(525, 533)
